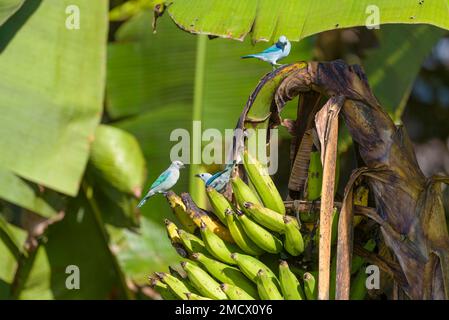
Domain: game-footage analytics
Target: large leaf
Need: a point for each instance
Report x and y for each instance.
(51, 91)
(8, 8)
(297, 19)
(393, 67)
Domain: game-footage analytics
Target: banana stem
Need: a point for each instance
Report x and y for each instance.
(327, 126)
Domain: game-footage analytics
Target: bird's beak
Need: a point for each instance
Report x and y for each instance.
(198, 176)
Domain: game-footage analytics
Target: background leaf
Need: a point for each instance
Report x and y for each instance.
(48, 114)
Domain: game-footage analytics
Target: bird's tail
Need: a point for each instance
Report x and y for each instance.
(249, 56)
(148, 196)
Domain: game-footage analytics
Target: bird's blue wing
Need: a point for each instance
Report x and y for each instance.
(214, 176)
(272, 49)
(164, 175)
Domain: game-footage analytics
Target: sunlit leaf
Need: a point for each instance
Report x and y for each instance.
(52, 89)
(268, 19)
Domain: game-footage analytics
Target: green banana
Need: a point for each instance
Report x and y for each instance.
(178, 287)
(172, 231)
(193, 296)
(234, 292)
(165, 292)
(310, 286)
(226, 274)
(191, 242)
(358, 286)
(179, 210)
(314, 176)
(203, 282)
(266, 217)
(293, 243)
(266, 288)
(240, 237)
(219, 203)
(357, 262)
(262, 237)
(290, 286)
(216, 246)
(263, 183)
(242, 192)
(250, 266)
(200, 216)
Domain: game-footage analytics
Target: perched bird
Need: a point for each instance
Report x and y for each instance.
(164, 182)
(219, 180)
(279, 50)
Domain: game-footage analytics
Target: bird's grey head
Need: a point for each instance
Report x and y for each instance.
(283, 39)
(282, 42)
(178, 164)
(203, 176)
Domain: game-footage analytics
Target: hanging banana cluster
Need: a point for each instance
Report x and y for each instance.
(234, 251)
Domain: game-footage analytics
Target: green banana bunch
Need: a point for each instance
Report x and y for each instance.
(266, 288)
(310, 284)
(263, 183)
(193, 296)
(179, 210)
(293, 243)
(290, 286)
(242, 192)
(240, 237)
(191, 242)
(234, 292)
(261, 237)
(226, 274)
(216, 246)
(203, 282)
(219, 203)
(177, 286)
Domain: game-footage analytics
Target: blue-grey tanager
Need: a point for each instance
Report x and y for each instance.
(219, 180)
(276, 52)
(164, 182)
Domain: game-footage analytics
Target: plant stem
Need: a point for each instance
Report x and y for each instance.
(195, 185)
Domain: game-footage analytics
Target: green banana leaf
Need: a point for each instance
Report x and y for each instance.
(268, 19)
(8, 8)
(392, 68)
(52, 88)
